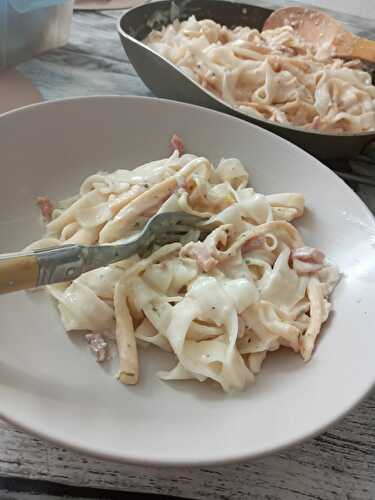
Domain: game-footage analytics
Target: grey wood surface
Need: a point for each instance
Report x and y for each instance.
(339, 464)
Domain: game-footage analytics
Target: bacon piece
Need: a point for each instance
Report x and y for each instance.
(253, 244)
(306, 260)
(308, 254)
(177, 143)
(316, 123)
(46, 207)
(207, 253)
(201, 253)
(98, 346)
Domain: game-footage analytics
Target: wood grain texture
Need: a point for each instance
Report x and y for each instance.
(362, 48)
(18, 273)
(339, 464)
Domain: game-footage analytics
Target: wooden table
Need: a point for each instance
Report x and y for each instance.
(339, 464)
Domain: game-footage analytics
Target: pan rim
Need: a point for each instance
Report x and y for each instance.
(231, 109)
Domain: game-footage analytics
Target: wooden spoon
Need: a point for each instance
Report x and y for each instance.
(323, 31)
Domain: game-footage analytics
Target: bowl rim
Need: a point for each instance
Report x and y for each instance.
(232, 456)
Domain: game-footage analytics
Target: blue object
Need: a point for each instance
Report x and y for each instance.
(29, 27)
(23, 6)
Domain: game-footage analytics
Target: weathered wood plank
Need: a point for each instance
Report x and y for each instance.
(338, 464)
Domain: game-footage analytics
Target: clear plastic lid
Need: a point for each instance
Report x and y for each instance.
(30, 27)
(22, 6)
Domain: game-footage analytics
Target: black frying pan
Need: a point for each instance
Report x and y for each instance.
(167, 81)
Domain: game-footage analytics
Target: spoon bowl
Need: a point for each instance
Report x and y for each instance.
(167, 81)
(324, 32)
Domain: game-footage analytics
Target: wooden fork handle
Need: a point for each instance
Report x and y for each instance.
(18, 273)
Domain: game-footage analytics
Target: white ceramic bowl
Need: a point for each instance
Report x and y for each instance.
(50, 384)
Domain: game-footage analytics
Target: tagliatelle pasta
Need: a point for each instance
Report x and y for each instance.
(218, 305)
(273, 74)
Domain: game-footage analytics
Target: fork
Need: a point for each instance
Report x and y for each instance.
(24, 270)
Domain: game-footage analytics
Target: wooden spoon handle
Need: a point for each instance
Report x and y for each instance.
(18, 273)
(364, 49)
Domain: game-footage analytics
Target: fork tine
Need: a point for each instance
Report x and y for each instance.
(163, 240)
(184, 218)
(173, 219)
(171, 235)
(170, 227)
(180, 229)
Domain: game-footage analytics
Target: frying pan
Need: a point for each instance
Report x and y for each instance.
(167, 81)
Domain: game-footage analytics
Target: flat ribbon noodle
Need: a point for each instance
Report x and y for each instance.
(218, 304)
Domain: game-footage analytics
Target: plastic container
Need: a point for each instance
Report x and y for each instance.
(29, 27)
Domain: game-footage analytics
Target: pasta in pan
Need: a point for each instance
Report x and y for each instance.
(272, 74)
(219, 305)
